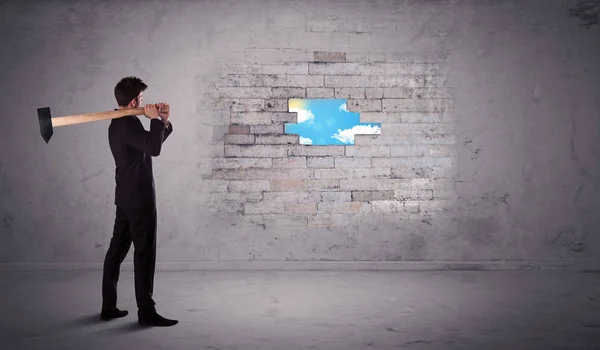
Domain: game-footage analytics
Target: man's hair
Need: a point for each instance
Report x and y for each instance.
(127, 89)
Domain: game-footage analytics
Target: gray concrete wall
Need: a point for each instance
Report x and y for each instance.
(489, 147)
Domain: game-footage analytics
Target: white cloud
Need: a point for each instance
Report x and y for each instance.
(304, 115)
(342, 107)
(305, 141)
(347, 135)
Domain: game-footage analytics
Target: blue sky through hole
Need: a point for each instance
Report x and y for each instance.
(327, 122)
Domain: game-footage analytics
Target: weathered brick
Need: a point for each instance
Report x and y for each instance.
(435, 206)
(415, 105)
(435, 161)
(240, 92)
(306, 80)
(352, 162)
(264, 208)
(236, 163)
(288, 185)
(411, 172)
(443, 193)
(248, 186)
(260, 173)
(372, 173)
(357, 56)
(323, 56)
(416, 128)
(410, 81)
(346, 68)
(239, 129)
(442, 151)
(331, 220)
(312, 92)
(367, 151)
(244, 80)
(409, 151)
(235, 139)
(441, 172)
(258, 151)
(239, 197)
(374, 184)
(434, 80)
(267, 129)
(343, 207)
(303, 150)
(373, 69)
(363, 105)
(374, 92)
(433, 92)
(333, 173)
(287, 92)
(413, 194)
(380, 117)
(399, 57)
(405, 117)
(427, 183)
(320, 162)
(360, 81)
(336, 196)
(412, 207)
(236, 105)
(263, 118)
(292, 197)
(369, 196)
(397, 92)
(240, 68)
(384, 206)
(276, 220)
(272, 80)
(275, 173)
(358, 93)
(289, 162)
(301, 208)
(323, 185)
(225, 207)
(287, 68)
(433, 139)
(379, 140)
(283, 139)
(277, 105)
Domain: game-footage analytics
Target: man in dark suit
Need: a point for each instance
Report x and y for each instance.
(135, 198)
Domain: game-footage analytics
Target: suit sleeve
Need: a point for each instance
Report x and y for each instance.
(149, 142)
(168, 131)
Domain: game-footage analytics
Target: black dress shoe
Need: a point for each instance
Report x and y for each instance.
(108, 315)
(155, 320)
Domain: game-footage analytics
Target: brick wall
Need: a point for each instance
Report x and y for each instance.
(269, 178)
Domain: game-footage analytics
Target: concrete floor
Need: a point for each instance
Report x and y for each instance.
(309, 310)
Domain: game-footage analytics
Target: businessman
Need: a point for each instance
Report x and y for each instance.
(135, 198)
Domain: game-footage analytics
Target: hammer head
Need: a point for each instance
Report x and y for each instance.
(45, 123)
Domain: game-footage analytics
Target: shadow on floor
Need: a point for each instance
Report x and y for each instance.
(117, 326)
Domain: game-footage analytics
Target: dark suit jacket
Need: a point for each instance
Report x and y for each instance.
(133, 148)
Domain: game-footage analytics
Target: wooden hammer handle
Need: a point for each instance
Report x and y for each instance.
(92, 117)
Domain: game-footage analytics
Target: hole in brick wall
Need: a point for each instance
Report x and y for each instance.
(327, 122)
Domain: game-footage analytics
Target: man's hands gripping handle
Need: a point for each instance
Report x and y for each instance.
(158, 110)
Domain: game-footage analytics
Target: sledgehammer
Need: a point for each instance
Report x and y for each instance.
(47, 123)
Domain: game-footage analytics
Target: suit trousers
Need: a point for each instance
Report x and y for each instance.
(137, 226)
